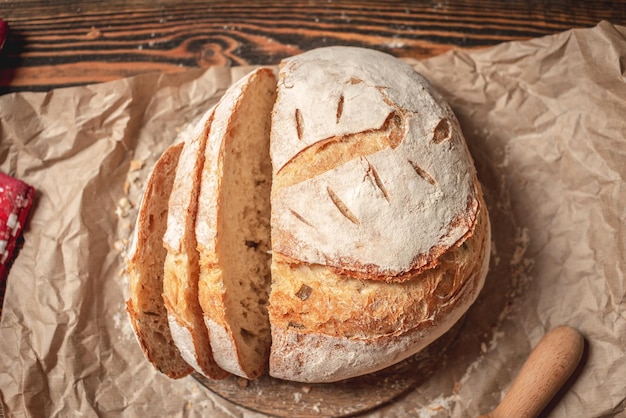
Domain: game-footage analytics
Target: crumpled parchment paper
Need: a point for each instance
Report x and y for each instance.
(545, 122)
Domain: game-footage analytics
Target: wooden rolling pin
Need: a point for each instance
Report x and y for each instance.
(548, 367)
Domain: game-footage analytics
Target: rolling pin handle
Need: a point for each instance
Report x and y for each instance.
(549, 366)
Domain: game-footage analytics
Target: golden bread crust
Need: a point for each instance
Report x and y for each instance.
(320, 320)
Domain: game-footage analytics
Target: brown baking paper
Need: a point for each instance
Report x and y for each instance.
(544, 120)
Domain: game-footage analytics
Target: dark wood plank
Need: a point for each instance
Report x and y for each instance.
(62, 43)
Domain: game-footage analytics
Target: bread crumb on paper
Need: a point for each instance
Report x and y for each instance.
(120, 245)
(136, 165)
(124, 205)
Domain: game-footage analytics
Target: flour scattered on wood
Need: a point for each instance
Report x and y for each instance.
(395, 43)
(297, 397)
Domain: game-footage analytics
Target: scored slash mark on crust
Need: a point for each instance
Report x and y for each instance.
(340, 108)
(343, 209)
(422, 173)
(300, 218)
(299, 124)
(355, 80)
(442, 131)
(373, 175)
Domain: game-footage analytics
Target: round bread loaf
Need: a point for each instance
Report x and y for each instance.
(380, 235)
(348, 181)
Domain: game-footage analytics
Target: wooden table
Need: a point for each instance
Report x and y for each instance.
(58, 43)
(63, 43)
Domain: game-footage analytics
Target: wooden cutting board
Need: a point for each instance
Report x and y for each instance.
(340, 399)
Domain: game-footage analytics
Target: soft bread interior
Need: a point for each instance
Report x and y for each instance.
(234, 291)
(145, 268)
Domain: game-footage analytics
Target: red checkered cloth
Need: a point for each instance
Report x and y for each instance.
(16, 199)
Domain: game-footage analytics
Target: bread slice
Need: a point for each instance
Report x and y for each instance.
(380, 236)
(232, 227)
(181, 268)
(145, 305)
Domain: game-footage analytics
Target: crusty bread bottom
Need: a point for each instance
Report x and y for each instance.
(234, 290)
(328, 327)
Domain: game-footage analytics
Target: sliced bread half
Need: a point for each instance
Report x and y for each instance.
(380, 235)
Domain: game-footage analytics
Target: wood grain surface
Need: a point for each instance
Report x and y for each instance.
(64, 43)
